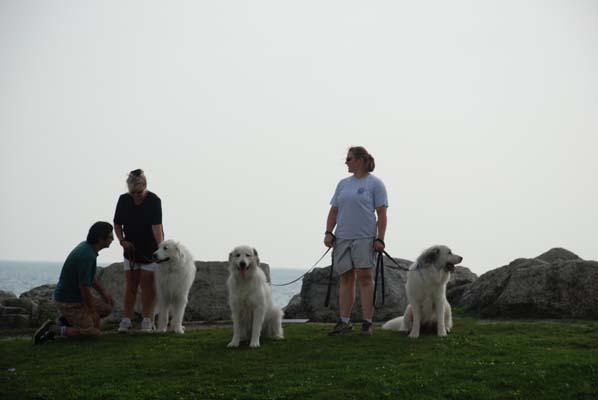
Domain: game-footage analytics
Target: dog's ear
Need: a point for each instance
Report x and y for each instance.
(179, 254)
(432, 256)
(257, 257)
(230, 256)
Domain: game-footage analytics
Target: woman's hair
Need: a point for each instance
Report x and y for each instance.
(368, 160)
(98, 231)
(136, 178)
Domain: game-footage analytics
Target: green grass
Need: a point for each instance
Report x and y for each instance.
(476, 361)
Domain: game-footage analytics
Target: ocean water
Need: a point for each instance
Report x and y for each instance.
(21, 276)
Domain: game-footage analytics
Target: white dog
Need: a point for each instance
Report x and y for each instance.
(173, 279)
(250, 299)
(426, 293)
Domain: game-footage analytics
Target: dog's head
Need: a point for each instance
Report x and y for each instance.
(441, 257)
(243, 260)
(168, 250)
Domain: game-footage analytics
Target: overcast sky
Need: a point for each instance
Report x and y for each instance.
(482, 117)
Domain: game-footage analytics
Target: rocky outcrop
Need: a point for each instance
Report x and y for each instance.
(208, 298)
(555, 284)
(310, 302)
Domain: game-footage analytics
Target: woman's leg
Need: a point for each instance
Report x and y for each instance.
(148, 294)
(346, 293)
(365, 277)
(132, 278)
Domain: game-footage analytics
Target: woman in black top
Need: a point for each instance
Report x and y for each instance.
(138, 227)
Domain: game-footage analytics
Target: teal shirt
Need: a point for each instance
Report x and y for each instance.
(78, 269)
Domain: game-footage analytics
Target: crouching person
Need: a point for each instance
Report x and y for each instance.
(80, 311)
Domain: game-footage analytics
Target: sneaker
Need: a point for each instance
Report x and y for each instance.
(43, 334)
(341, 328)
(367, 328)
(124, 326)
(147, 326)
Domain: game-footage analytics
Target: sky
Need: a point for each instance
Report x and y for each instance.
(482, 117)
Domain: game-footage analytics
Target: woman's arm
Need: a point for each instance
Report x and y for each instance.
(330, 224)
(158, 232)
(381, 224)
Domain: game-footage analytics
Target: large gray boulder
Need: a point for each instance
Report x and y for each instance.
(310, 302)
(556, 284)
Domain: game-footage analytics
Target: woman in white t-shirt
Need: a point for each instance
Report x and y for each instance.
(358, 210)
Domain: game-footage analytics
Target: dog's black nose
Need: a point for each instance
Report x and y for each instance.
(242, 264)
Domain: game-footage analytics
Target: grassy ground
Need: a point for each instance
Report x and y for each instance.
(476, 361)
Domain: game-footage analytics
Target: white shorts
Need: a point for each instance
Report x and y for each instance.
(146, 267)
(353, 253)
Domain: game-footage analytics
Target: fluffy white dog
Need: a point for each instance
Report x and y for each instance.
(173, 279)
(426, 292)
(250, 299)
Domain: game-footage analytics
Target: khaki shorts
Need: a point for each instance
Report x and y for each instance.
(77, 315)
(353, 253)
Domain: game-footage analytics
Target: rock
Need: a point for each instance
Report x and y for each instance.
(43, 304)
(12, 321)
(310, 302)
(6, 295)
(556, 284)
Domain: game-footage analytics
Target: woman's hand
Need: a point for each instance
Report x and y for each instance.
(379, 245)
(328, 239)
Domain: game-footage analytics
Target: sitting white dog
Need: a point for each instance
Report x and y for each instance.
(173, 280)
(426, 292)
(250, 299)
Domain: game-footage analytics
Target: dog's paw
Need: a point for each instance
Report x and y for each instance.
(442, 334)
(414, 335)
(233, 343)
(254, 343)
(179, 329)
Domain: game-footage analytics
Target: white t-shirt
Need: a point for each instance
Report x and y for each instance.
(357, 200)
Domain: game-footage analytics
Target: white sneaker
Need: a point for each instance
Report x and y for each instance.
(125, 325)
(147, 326)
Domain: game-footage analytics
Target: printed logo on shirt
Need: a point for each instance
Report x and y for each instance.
(360, 190)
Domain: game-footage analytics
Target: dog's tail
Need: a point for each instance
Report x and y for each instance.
(395, 324)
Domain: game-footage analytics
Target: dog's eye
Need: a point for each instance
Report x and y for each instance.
(237, 255)
(165, 248)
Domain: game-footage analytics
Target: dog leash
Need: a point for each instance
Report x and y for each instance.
(379, 271)
(308, 271)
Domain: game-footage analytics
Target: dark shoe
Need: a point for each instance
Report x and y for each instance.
(43, 334)
(341, 328)
(62, 321)
(367, 328)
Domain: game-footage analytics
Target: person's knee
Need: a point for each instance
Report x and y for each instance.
(365, 277)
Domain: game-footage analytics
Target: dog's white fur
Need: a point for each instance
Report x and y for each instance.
(173, 279)
(426, 293)
(250, 299)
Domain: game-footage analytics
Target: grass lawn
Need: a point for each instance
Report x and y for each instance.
(476, 361)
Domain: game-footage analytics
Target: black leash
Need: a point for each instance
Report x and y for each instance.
(379, 271)
(308, 271)
(329, 290)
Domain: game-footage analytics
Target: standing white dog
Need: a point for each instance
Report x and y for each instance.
(173, 279)
(426, 293)
(250, 299)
